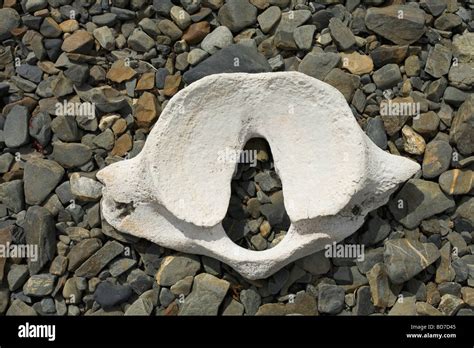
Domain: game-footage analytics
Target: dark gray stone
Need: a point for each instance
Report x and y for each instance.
(330, 298)
(16, 127)
(376, 132)
(250, 61)
(418, 200)
(71, 155)
(40, 230)
(11, 194)
(207, 295)
(341, 35)
(237, 15)
(405, 258)
(41, 177)
(318, 65)
(108, 295)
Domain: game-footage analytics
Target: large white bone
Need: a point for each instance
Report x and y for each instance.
(176, 192)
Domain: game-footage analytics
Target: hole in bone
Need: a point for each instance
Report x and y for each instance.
(123, 209)
(256, 218)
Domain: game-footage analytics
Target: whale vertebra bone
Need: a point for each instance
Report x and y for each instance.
(175, 192)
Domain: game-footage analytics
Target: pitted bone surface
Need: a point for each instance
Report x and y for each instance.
(164, 195)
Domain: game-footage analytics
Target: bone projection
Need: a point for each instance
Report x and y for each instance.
(175, 192)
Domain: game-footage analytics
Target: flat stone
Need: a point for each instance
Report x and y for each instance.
(316, 264)
(445, 272)
(426, 124)
(249, 59)
(463, 47)
(457, 182)
(268, 19)
(462, 76)
(419, 200)
(404, 306)
(16, 127)
(20, 308)
(292, 20)
(69, 26)
(302, 304)
(196, 32)
(11, 195)
(318, 65)
(104, 140)
(463, 127)
(49, 28)
(71, 155)
(437, 158)
(17, 276)
(358, 64)
(84, 188)
(330, 298)
(79, 42)
(168, 28)
(344, 82)
(435, 7)
(81, 252)
(405, 258)
(146, 82)
(402, 30)
(388, 54)
(377, 230)
(120, 72)
(447, 21)
(30, 72)
(412, 66)
(99, 260)
(380, 286)
(304, 36)
(425, 309)
(207, 295)
(39, 285)
(183, 286)
(468, 296)
(139, 281)
(387, 76)
(6, 161)
(341, 34)
(175, 268)
(141, 307)
(108, 295)
(364, 304)
(147, 110)
(180, 17)
(438, 61)
(172, 83)
(139, 41)
(233, 308)
(376, 132)
(237, 15)
(65, 128)
(251, 301)
(40, 230)
(413, 143)
(450, 304)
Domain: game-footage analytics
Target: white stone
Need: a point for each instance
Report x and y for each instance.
(176, 192)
